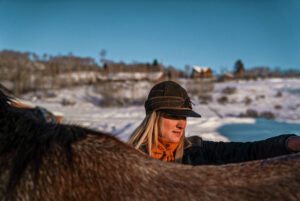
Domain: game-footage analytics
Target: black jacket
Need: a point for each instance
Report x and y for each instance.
(200, 152)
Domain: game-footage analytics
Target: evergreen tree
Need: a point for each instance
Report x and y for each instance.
(238, 67)
(155, 62)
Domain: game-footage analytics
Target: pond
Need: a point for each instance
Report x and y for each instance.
(294, 91)
(262, 129)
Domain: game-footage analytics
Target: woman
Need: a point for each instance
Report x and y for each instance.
(161, 134)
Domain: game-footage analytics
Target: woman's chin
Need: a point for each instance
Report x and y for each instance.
(175, 139)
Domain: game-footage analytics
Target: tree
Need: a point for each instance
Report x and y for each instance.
(238, 68)
(155, 62)
(35, 57)
(45, 57)
(102, 55)
(187, 70)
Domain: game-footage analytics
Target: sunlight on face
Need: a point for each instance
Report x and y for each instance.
(172, 127)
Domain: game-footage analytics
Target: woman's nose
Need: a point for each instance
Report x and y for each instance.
(181, 123)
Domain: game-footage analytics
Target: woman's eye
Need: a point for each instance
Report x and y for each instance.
(174, 117)
(169, 116)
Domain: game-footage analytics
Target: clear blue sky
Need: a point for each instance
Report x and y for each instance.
(177, 32)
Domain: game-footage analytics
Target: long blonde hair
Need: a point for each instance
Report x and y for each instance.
(147, 133)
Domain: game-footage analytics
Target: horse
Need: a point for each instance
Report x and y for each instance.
(49, 161)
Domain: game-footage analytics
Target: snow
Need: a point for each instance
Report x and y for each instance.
(263, 94)
(135, 76)
(216, 118)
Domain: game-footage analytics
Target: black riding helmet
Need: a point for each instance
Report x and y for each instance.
(171, 98)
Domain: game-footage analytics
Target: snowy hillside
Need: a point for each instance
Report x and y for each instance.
(220, 120)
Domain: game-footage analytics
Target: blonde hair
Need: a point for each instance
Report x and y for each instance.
(147, 133)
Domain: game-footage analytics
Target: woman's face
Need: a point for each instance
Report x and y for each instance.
(172, 127)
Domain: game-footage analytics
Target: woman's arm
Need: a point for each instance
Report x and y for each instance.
(233, 152)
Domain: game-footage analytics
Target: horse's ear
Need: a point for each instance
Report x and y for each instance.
(4, 99)
(6, 96)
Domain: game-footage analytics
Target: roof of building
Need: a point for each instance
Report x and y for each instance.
(201, 69)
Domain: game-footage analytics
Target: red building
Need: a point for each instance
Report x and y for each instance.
(202, 72)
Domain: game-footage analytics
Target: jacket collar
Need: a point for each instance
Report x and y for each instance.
(187, 143)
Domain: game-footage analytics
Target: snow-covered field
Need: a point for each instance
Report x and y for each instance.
(219, 122)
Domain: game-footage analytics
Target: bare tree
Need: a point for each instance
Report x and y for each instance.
(187, 70)
(103, 55)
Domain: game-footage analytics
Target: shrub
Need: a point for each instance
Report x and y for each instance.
(229, 90)
(222, 100)
(277, 107)
(66, 102)
(110, 101)
(254, 114)
(120, 94)
(205, 98)
(267, 115)
(250, 113)
(247, 100)
(260, 97)
(279, 94)
(50, 94)
(198, 87)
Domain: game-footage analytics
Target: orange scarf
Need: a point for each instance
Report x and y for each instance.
(164, 150)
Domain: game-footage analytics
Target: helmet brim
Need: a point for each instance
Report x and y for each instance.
(181, 113)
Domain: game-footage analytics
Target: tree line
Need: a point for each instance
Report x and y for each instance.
(239, 71)
(26, 71)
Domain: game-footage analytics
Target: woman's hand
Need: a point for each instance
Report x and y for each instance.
(293, 143)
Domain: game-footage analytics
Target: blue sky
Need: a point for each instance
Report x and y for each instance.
(212, 33)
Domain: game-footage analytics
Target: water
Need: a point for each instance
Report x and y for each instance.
(261, 130)
(294, 91)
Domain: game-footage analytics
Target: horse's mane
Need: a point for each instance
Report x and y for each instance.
(27, 140)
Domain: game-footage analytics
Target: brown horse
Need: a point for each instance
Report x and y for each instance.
(43, 161)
